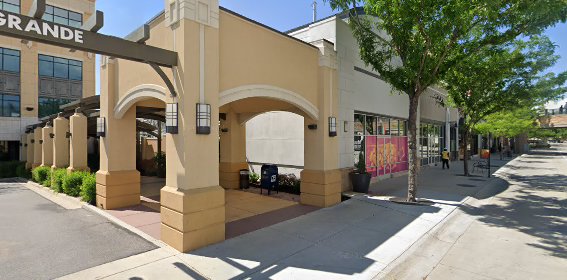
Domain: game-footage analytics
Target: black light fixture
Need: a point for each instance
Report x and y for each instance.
(26, 144)
(51, 135)
(29, 109)
(332, 126)
(32, 141)
(41, 142)
(101, 127)
(172, 118)
(68, 134)
(203, 118)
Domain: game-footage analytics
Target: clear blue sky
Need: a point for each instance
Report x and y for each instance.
(121, 17)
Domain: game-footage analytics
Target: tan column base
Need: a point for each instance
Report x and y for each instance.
(229, 174)
(117, 189)
(321, 188)
(72, 169)
(191, 219)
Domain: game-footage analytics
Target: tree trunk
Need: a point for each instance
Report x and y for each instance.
(412, 143)
(466, 150)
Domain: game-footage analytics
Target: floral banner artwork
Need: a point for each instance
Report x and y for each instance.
(371, 151)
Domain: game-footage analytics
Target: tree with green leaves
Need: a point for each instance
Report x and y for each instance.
(503, 77)
(413, 43)
(508, 124)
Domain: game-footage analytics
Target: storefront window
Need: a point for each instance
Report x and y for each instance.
(379, 139)
(431, 143)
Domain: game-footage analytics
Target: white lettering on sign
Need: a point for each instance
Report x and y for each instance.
(54, 30)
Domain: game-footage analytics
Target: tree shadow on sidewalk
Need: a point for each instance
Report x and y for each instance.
(534, 208)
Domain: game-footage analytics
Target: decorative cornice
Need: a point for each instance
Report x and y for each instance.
(202, 11)
(327, 54)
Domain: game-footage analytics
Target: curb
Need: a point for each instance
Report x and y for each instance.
(118, 222)
(73, 203)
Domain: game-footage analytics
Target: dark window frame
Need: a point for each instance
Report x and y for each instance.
(63, 16)
(11, 3)
(18, 109)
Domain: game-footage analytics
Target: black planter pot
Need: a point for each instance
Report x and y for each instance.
(360, 182)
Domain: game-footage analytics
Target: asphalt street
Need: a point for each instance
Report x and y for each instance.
(41, 240)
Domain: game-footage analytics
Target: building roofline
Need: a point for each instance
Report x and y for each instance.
(341, 15)
(266, 27)
(149, 22)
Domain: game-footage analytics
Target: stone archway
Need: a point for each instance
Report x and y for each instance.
(270, 92)
(137, 94)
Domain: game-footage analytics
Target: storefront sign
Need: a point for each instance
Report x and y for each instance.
(15, 22)
(32, 29)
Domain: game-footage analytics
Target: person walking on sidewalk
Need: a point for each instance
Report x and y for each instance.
(445, 157)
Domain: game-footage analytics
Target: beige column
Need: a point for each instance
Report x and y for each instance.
(321, 178)
(60, 143)
(192, 202)
(29, 150)
(47, 146)
(117, 180)
(232, 151)
(78, 142)
(23, 147)
(37, 151)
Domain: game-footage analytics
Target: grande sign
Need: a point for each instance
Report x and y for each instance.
(28, 28)
(14, 22)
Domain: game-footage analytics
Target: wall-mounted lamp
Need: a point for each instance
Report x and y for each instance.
(203, 118)
(312, 126)
(332, 126)
(101, 127)
(32, 141)
(26, 144)
(29, 109)
(41, 142)
(51, 135)
(171, 118)
(68, 134)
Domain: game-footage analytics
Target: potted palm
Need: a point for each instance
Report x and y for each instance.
(359, 178)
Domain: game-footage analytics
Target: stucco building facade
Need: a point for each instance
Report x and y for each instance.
(36, 78)
(368, 108)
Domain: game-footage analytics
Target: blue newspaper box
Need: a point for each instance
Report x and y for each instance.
(269, 180)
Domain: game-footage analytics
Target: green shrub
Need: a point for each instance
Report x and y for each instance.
(57, 178)
(22, 171)
(289, 183)
(88, 189)
(72, 183)
(47, 182)
(254, 177)
(8, 169)
(40, 174)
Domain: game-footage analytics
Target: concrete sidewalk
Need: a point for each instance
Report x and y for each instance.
(356, 239)
(518, 233)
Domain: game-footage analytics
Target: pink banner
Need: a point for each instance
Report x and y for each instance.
(380, 160)
(402, 155)
(371, 157)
